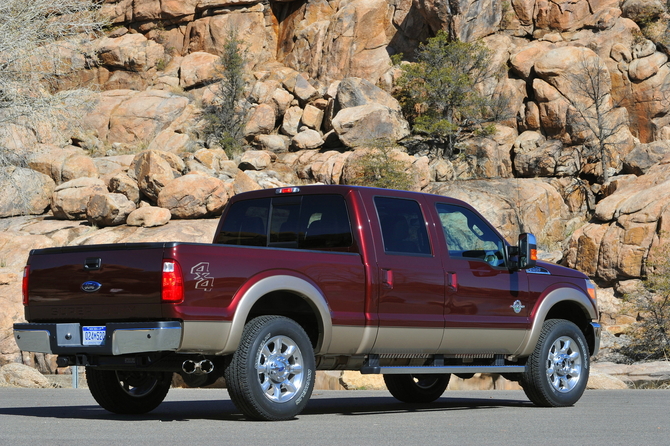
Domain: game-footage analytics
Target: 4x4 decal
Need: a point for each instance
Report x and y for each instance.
(201, 272)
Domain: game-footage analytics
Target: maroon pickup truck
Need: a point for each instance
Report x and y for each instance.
(412, 286)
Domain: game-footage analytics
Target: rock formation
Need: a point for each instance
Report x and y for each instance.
(318, 86)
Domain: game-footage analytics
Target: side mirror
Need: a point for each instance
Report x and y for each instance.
(527, 251)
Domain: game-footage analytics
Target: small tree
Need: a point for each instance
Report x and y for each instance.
(379, 168)
(595, 113)
(650, 337)
(441, 94)
(226, 116)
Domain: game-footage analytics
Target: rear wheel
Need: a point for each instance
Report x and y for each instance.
(558, 370)
(271, 375)
(128, 392)
(416, 388)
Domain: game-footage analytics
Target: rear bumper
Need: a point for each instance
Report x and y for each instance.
(120, 338)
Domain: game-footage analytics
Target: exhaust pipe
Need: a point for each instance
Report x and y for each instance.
(203, 367)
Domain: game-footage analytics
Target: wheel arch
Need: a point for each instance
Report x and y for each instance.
(562, 303)
(284, 295)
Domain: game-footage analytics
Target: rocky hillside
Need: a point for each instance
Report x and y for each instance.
(319, 82)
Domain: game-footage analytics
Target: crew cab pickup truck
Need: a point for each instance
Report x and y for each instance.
(412, 286)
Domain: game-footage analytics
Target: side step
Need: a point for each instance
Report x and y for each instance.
(372, 367)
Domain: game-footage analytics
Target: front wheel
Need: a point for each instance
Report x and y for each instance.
(271, 374)
(558, 370)
(128, 392)
(416, 388)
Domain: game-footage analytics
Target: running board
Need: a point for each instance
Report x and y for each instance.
(371, 366)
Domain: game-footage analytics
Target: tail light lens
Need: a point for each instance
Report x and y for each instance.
(172, 290)
(24, 286)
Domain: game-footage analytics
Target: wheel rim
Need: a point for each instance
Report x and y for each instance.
(137, 385)
(280, 369)
(564, 364)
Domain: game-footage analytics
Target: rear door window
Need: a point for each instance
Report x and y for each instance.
(403, 226)
(319, 222)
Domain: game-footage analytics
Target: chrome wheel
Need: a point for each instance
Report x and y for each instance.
(564, 364)
(271, 375)
(558, 370)
(280, 369)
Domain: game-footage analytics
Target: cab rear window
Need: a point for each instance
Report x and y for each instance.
(318, 222)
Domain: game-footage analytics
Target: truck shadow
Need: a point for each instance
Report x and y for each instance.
(224, 410)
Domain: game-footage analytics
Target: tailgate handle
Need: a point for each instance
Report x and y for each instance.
(92, 263)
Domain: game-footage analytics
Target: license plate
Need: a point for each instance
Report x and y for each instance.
(94, 335)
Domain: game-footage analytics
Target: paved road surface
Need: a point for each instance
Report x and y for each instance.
(199, 417)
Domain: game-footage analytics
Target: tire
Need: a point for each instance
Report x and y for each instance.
(271, 374)
(558, 370)
(128, 392)
(416, 388)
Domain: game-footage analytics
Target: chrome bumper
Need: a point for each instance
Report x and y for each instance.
(119, 339)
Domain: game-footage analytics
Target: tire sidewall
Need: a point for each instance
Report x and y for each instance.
(564, 328)
(286, 409)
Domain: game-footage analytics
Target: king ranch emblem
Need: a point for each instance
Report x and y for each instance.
(517, 306)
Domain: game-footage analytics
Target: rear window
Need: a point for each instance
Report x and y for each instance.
(299, 222)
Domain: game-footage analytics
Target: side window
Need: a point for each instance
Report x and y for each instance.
(246, 224)
(299, 222)
(403, 226)
(469, 237)
(324, 222)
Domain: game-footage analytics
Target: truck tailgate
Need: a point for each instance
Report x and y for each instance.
(96, 282)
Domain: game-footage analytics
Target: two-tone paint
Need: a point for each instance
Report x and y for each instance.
(354, 303)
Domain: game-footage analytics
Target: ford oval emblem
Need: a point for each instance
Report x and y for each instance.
(91, 286)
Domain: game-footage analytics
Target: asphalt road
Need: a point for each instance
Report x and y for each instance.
(352, 418)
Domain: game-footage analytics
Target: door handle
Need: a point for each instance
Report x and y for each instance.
(452, 281)
(387, 278)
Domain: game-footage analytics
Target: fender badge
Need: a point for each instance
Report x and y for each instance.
(91, 286)
(517, 307)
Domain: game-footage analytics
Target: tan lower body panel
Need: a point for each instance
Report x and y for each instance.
(204, 336)
(481, 340)
(408, 340)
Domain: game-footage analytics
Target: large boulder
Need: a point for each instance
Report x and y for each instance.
(149, 217)
(353, 92)
(108, 209)
(194, 196)
(19, 375)
(639, 160)
(153, 169)
(132, 52)
(141, 116)
(62, 164)
(70, 199)
(197, 68)
(24, 191)
(362, 125)
(123, 184)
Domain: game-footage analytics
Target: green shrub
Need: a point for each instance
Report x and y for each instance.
(379, 168)
(440, 93)
(226, 116)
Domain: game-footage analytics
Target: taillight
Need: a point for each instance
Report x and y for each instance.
(24, 286)
(172, 290)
